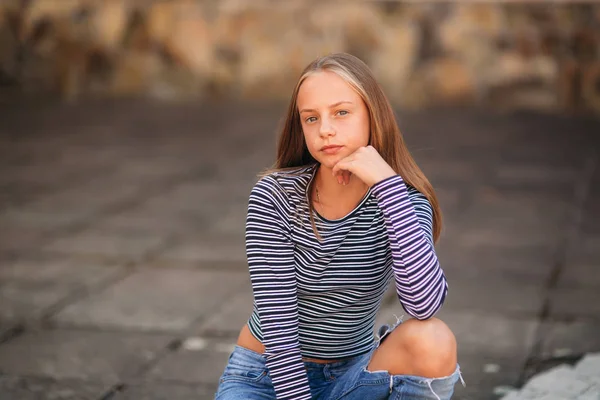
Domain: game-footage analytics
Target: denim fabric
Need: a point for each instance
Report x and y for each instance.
(246, 378)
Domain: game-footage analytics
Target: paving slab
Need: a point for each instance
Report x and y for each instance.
(110, 245)
(507, 238)
(231, 316)
(531, 264)
(208, 248)
(165, 391)
(65, 271)
(154, 299)
(200, 196)
(572, 302)
(582, 266)
(486, 376)
(18, 238)
(106, 357)
(28, 388)
(569, 338)
(27, 301)
(87, 197)
(149, 170)
(232, 220)
(580, 274)
(451, 199)
(129, 172)
(532, 174)
(45, 220)
(29, 287)
(8, 328)
(491, 334)
(586, 248)
(139, 222)
(493, 292)
(522, 213)
(200, 361)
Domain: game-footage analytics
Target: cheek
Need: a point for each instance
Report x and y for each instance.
(310, 139)
(359, 133)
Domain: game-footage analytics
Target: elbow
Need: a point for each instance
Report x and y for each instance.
(430, 307)
(423, 315)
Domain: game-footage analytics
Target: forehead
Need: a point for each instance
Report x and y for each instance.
(325, 88)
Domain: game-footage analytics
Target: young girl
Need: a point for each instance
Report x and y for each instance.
(344, 210)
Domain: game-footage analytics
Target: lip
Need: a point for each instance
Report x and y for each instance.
(331, 149)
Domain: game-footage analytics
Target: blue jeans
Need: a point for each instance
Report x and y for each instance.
(246, 377)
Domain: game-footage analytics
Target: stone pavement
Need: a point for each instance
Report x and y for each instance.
(122, 230)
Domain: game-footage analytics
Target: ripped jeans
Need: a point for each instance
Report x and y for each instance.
(246, 378)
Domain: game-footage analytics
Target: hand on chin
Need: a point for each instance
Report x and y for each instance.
(329, 162)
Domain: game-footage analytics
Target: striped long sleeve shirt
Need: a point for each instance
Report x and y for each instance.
(319, 298)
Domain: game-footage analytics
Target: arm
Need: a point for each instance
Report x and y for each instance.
(270, 255)
(420, 282)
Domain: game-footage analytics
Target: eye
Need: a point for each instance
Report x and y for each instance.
(342, 112)
(311, 119)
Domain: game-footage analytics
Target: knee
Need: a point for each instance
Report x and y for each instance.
(429, 344)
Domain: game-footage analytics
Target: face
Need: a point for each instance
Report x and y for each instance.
(334, 118)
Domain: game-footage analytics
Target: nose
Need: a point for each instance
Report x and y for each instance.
(326, 128)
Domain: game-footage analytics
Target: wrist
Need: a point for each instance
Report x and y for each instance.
(385, 176)
(385, 183)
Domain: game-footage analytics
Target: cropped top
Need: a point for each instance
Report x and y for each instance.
(319, 298)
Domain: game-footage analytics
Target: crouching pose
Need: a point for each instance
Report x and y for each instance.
(344, 211)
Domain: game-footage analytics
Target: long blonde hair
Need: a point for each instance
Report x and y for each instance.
(385, 136)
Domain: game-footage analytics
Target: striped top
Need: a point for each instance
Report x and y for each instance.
(319, 299)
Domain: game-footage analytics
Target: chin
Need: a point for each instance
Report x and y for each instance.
(329, 162)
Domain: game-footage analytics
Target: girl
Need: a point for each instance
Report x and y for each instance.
(344, 210)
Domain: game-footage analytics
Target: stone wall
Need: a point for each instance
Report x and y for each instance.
(517, 55)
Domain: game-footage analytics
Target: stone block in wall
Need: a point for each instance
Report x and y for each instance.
(470, 31)
(276, 45)
(421, 53)
(161, 18)
(108, 24)
(569, 84)
(363, 29)
(518, 81)
(511, 67)
(182, 30)
(590, 84)
(134, 73)
(449, 80)
(9, 44)
(268, 54)
(396, 59)
(52, 10)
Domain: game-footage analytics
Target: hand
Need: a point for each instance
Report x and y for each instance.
(366, 164)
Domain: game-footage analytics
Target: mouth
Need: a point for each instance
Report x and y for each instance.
(331, 149)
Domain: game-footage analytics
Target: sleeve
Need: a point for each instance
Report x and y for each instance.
(420, 282)
(270, 254)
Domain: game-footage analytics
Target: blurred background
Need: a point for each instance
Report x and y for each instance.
(132, 131)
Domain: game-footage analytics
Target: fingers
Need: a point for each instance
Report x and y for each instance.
(344, 168)
(343, 176)
(346, 177)
(342, 165)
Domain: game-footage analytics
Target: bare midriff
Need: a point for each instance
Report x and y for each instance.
(247, 340)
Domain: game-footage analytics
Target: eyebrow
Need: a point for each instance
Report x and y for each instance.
(331, 106)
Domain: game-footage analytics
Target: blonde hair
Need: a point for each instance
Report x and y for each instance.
(385, 135)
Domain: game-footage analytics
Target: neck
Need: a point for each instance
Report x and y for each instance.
(331, 191)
